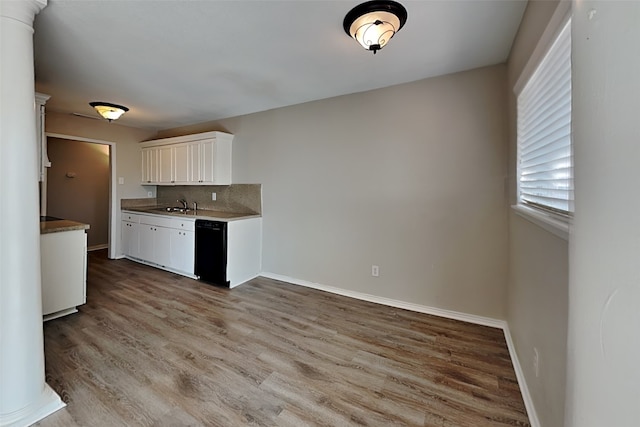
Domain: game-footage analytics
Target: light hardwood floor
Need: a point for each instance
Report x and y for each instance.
(151, 348)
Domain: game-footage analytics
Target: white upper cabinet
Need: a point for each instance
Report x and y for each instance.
(200, 159)
(181, 164)
(165, 165)
(149, 165)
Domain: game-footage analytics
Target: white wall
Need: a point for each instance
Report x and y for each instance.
(537, 302)
(128, 154)
(410, 178)
(603, 387)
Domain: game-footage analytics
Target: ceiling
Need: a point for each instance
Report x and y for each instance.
(175, 63)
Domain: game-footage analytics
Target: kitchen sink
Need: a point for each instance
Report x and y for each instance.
(173, 209)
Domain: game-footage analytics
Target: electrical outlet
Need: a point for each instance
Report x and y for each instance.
(536, 361)
(375, 270)
(213, 196)
(149, 193)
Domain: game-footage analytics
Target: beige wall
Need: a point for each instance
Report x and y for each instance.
(537, 302)
(128, 155)
(410, 178)
(85, 196)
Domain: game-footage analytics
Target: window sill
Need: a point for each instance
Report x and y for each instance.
(554, 224)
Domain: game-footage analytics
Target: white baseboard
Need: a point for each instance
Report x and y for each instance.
(98, 247)
(232, 285)
(48, 403)
(449, 314)
(58, 314)
(522, 382)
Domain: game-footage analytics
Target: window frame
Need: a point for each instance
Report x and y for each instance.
(557, 223)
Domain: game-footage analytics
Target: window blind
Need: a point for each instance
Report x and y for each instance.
(545, 169)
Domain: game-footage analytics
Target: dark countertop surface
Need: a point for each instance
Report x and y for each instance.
(197, 214)
(56, 225)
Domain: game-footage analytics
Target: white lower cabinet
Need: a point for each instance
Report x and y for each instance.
(63, 263)
(244, 243)
(131, 239)
(183, 250)
(166, 242)
(155, 244)
(169, 243)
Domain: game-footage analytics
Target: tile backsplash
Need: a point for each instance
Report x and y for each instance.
(238, 198)
(241, 198)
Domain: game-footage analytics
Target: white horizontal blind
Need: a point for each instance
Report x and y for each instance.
(545, 169)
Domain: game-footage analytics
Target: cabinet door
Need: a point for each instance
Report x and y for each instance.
(155, 244)
(182, 250)
(165, 165)
(147, 242)
(194, 163)
(181, 173)
(215, 162)
(149, 165)
(144, 177)
(130, 239)
(162, 243)
(207, 151)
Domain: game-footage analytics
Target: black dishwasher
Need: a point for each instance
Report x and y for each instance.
(211, 252)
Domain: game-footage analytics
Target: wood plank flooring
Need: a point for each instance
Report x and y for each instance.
(151, 348)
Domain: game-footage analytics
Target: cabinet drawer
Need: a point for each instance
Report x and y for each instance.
(158, 221)
(186, 225)
(130, 217)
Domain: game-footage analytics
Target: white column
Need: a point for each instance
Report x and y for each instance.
(24, 396)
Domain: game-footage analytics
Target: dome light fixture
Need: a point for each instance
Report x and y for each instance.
(108, 110)
(373, 23)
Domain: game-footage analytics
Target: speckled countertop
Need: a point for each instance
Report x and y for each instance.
(57, 226)
(198, 214)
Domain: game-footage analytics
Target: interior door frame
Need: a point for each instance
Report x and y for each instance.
(113, 214)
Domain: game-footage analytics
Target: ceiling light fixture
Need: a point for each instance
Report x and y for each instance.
(373, 23)
(109, 111)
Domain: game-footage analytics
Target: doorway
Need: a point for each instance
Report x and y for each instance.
(80, 186)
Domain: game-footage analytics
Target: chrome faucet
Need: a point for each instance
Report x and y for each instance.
(184, 204)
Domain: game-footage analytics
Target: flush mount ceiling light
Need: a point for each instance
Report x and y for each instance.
(373, 23)
(109, 111)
